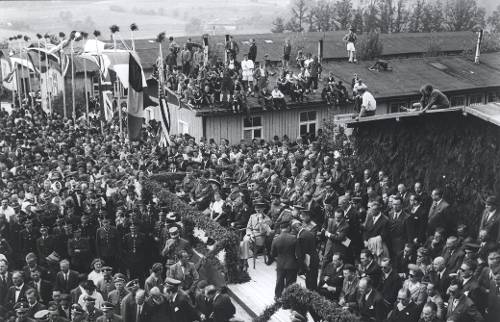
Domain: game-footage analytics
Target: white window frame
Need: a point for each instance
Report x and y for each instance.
(253, 128)
(309, 122)
(475, 96)
(493, 97)
(456, 97)
(181, 125)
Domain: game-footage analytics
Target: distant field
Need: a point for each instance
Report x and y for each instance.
(152, 16)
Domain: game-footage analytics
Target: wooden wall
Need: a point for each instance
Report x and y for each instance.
(178, 115)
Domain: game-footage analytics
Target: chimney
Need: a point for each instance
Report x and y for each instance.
(478, 46)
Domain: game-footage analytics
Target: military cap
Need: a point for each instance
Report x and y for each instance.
(172, 281)
(42, 315)
(173, 230)
(107, 306)
(132, 283)
(298, 207)
(52, 306)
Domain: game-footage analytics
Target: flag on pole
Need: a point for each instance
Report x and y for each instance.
(108, 105)
(135, 110)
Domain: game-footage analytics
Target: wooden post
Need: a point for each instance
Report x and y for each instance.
(205, 49)
(478, 46)
(49, 93)
(65, 112)
(86, 89)
(226, 58)
(73, 81)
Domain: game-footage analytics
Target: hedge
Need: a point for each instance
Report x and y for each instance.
(302, 300)
(225, 239)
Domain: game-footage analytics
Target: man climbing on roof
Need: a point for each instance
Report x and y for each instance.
(432, 98)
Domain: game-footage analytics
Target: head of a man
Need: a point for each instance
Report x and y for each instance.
(429, 312)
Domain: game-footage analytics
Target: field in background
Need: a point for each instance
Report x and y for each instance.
(152, 16)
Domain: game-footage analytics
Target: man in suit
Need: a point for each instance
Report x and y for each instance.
(173, 246)
(460, 307)
(66, 278)
(439, 213)
(180, 305)
(439, 275)
(349, 293)
(34, 305)
(222, 307)
(490, 219)
(307, 256)
(45, 244)
(429, 313)
(184, 271)
(16, 292)
(493, 308)
(470, 286)
(371, 305)
(79, 250)
(397, 227)
(5, 280)
(43, 288)
(405, 310)
(108, 314)
(134, 252)
(416, 223)
(133, 304)
(370, 268)
(116, 296)
(391, 282)
(283, 250)
(376, 224)
(336, 235)
(91, 312)
(452, 254)
(332, 278)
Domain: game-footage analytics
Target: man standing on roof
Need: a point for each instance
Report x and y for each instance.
(350, 38)
(368, 102)
(432, 98)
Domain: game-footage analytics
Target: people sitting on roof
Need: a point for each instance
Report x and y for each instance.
(432, 98)
(368, 102)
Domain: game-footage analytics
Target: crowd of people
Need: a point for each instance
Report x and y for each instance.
(229, 82)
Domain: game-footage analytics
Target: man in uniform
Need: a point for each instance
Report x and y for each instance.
(108, 243)
(116, 296)
(173, 246)
(91, 312)
(134, 253)
(108, 313)
(45, 244)
(28, 237)
(180, 304)
(79, 250)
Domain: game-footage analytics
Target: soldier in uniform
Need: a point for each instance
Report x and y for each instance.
(134, 253)
(64, 237)
(173, 246)
(27, 238)
(106, 284)
(91, 312)
(45, 244)
(108, 243)
(116, 296)
(79, 250)
(109, 314)
(89, 229)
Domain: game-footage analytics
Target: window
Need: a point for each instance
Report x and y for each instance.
(118, 88)
(493, 97)
(307, 122)
(457, 101)
(396, 107)
(476, 99)
(252, 128)
(183, 127)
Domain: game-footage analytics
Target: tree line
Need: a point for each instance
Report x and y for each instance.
(387, 16)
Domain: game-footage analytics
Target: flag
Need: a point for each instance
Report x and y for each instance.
(137, 83)
(7, 73)
(108, 105)
(165, 122)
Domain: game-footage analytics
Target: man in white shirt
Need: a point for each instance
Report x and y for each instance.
(368, 103)
(7, 210)
(278, 98)
(247, 68)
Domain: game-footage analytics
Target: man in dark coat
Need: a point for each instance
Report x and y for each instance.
(490, 219)
(252, 51)
(336, 235)
(134, 252)
(376, 224)
(460, 307)
(5, 280)
(417, 221)
(108, 243)
(307, 256)
(66, 279)
(390, 283)
(332, 278)
(283, 250)
(16, 292)
(405, 310)
(439, 213)
(180, 304)
(397, 227)
(369, 267)
(129, 308)
(222, 307)
(371, 305)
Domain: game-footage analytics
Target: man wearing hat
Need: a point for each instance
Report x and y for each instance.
(91, 312)
(180, 304)
(134, 252)
(79, 250)
(22, 309)
(368, 102)
(108, 242)
(108, 313)
(155, 278)
(258, 228)
(45, 244)
(116, 296)
(173, 246)
(490, 219)
(77, 313)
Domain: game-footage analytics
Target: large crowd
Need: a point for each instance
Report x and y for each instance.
(78, 242)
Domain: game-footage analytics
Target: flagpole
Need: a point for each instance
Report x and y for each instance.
(23, 85)
(30, 99)
(99, 81)
(65, 113)
(72, 55)
(49, 93)
(86, 89)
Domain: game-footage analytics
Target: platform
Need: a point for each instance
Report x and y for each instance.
(255, 295)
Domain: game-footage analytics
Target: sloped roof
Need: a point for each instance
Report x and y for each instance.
(333, 46)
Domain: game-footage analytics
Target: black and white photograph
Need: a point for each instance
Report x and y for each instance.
(250, 161)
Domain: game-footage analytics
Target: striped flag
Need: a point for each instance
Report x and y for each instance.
(108, 105)
(137, 83)
(165, 122)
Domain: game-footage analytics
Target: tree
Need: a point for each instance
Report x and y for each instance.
(464, 15)
(494, 20)
(357, 21)
(322, 16)
(299, 10)
(370, 46)
(278, 25)
(371, 17)
(401, 17)
(386, 9)
(432, 17)
(343, 13)
(416, 17)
